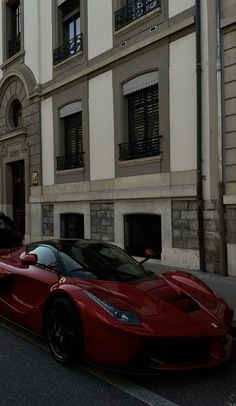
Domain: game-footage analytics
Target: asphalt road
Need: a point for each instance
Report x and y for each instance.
(30, 377)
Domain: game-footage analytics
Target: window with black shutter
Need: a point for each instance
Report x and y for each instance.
(143, 114)
(73, 134)
(73, 142)
(143, 123)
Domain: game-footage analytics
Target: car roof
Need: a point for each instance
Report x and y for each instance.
(58, 243)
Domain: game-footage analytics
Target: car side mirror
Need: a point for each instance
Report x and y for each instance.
(29, 259)
(149, 253)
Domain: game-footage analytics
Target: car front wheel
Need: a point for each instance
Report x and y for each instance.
(63, 332)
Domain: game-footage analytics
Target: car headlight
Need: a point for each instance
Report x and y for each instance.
(121, 315)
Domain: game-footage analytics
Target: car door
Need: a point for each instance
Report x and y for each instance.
(29, 287)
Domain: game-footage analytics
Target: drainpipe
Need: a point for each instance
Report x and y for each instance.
(221, 183)
(199, 139)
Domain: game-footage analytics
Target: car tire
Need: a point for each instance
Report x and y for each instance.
(64, 332)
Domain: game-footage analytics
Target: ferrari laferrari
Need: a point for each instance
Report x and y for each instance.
(91, 300)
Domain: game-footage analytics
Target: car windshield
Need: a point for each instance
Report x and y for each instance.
(101, 261)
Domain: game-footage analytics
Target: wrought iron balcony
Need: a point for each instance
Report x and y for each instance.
(70, 161)
(67, 49)
(14, 45)
(133, 10)
(139, 149)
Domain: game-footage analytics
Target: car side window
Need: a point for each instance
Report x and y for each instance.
(46, 257)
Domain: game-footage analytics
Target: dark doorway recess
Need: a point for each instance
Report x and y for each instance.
(72, 225)
(143, 231)
(18, 195)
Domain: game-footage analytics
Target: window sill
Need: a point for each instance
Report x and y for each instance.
(140, 161)
(12, 59)
(70, 58)
(69, 171)
(139, 21)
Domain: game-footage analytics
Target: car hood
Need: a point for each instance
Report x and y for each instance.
(173, 303)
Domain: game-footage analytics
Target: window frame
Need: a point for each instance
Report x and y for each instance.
(142, 107)
(72, 217)
(131, 11)
(141, 101)
(66, 114)
(13, 28)
(66, 45)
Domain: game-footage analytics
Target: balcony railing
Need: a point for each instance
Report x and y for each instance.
(133, 10)
(70, 161)
(14, 45)
(67, 49)
(139, 149)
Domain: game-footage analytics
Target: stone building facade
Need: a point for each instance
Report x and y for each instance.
(228, 29)
(99, 128)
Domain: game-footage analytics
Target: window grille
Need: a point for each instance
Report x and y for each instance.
(72, 225)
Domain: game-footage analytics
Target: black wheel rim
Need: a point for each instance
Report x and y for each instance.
(61, 332)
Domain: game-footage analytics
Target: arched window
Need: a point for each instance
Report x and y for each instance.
(15, 113)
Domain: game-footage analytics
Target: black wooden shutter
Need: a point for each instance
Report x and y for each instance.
(143, 114)
(73, 134)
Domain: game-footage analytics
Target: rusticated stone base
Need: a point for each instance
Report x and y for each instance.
(231, 225)
(185, 230)
(102, 221)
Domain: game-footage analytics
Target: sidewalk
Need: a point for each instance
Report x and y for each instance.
(224, 285)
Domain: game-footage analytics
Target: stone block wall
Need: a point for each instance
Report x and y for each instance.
(185, 230)
(184, 224)
(211, 236)
(231, 225)
(102, 221)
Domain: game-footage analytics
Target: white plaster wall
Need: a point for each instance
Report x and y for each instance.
(100, 32)
(101, 124)
(36, 223)
(177, 6)
(38, 38)
(45, 41)
(31, 36)
(47, 142)
(183, 131)
(170, 256)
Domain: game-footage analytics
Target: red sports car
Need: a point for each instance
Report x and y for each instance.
(92, 300)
